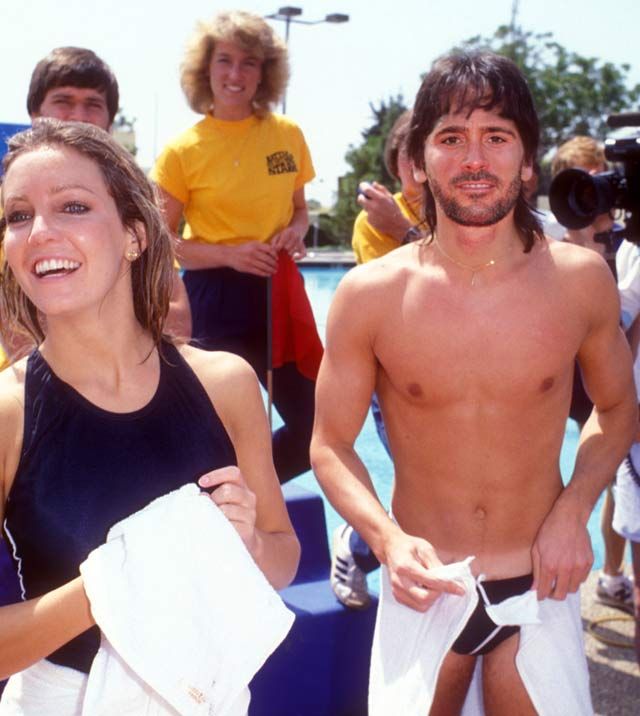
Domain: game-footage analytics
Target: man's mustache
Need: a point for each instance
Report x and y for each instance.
(474, 177)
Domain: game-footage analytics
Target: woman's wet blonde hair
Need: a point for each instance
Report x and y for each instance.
(253, 35)
(137, 204)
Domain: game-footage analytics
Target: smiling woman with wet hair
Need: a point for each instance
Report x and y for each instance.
(106, 414)
(136, 204)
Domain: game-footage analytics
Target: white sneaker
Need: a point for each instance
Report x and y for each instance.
(348, 581)
(615, 591)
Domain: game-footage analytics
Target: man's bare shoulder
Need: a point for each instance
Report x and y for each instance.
(382, 272)
(570, 257)
(585, 278)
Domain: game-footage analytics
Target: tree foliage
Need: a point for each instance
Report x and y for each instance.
(123, 129)
(573, 94)
(366, 164)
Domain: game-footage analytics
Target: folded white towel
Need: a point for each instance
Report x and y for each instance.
(187, 617)
(409, 648)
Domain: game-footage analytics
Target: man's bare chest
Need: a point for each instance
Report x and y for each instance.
(503, 346)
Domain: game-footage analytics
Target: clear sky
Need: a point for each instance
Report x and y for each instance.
(337, 70)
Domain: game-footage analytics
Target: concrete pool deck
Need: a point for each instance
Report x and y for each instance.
(614, 671)
(322, 257)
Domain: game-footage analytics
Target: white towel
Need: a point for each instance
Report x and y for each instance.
(409, 648)
(187, 617)
(44, 689)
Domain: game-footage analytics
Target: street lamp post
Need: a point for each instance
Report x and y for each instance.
(290, 14)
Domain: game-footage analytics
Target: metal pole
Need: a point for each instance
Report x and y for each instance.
(270, 352)
(286, 42)
(270, 286)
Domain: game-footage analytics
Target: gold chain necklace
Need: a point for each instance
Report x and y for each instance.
(473, 268)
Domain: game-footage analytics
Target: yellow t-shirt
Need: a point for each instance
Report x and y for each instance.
(369, 243)
(236, 179)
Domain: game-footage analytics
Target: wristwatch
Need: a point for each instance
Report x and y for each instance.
(412, 233)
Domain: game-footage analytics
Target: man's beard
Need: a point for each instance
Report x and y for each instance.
(477, 214)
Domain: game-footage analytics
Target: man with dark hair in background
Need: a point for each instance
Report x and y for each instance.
(469, 339)
(74, 84)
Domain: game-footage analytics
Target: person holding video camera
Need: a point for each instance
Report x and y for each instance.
(585, 153)
(581, 152)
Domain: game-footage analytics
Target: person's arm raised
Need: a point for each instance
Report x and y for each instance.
(251, 257)
(345, 384)
(562, 554)
(248, 494)
(383, 212)
(31, 630)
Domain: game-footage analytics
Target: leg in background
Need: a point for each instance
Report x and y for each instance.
(363, 556)
(614, 587)
(294, 399)
(614, 544)
(635, 554)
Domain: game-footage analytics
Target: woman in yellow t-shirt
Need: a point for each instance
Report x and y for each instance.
(237, 178)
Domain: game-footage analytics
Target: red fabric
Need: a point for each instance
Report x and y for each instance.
(295, 337)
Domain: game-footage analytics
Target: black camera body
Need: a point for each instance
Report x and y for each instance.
(576, 197)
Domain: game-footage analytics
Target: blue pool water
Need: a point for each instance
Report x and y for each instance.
(321, 283)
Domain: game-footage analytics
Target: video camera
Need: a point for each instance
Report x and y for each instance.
(576, 197)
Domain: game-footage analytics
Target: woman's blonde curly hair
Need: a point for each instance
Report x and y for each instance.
(249, 32)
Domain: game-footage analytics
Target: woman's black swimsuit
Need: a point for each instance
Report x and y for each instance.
(82, 469)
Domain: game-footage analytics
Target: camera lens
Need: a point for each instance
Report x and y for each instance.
(576, 198)
(583, 198)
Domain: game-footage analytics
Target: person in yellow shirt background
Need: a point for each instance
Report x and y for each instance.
(388, 220)
(237, 178)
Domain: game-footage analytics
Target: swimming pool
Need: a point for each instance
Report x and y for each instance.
(321, 283)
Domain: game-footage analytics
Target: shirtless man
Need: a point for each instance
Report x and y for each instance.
(469, 341)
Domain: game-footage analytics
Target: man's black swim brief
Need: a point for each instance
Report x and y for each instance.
(481, 634)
